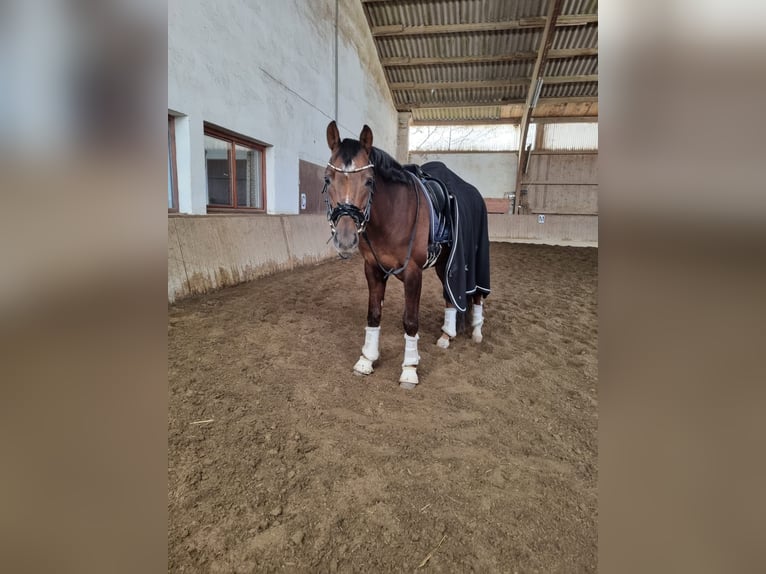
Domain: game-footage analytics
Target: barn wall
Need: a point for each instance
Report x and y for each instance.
(493, 173)
(215, 251)
(210, 252)
(562, 183)
(579, 230)
(266, 71)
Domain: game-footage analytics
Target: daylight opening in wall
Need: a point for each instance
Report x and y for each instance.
(501, 137)
(570, 137)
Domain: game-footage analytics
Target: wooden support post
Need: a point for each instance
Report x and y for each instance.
(554, 9)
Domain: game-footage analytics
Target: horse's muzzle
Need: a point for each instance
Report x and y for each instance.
(346, 238)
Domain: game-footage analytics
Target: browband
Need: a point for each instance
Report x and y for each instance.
(350, 170)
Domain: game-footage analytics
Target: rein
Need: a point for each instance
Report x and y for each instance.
(389, 272)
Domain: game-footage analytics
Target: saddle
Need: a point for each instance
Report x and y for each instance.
(436, 190)
(441, 215)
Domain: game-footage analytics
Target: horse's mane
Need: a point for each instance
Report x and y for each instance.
(386, 166)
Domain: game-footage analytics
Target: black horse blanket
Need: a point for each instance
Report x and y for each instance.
(468, 263)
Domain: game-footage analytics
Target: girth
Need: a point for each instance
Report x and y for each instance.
(439, 211)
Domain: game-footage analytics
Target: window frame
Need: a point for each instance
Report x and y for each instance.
(173, 163)
(234, 139)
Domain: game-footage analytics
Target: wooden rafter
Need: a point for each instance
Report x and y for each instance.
(554, 9)
(522, 24)
(513, 56)
(477, 104)
(399, 86)
(463, 87)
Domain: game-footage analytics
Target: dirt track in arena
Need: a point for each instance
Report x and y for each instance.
(490, 465)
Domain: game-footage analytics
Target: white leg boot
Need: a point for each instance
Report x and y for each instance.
(409, 377)
(477, 320)
(370, 351)
(449, 329)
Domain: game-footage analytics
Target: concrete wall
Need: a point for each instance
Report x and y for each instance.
(206, 253)
(562, 183)
(493, 173)
(266, 70)
(578, 230)
(214, 251)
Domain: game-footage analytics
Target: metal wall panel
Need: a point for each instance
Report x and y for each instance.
(570, 137)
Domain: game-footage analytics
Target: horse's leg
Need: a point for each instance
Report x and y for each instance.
(477, 317)
(376, 285)
(449, 329)
(413, 277)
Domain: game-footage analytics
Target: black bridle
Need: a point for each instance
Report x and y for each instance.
(359, 217)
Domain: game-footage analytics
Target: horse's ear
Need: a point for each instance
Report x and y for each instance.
(365, 138)
(333, 137)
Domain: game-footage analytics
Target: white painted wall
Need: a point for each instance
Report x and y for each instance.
(492, 173)
(265, 70)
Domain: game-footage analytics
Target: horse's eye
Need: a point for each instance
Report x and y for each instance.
(369, 182)
(326, 180)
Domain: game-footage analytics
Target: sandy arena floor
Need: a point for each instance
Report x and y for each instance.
(490, 465)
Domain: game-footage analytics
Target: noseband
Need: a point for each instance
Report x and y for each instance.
(359, 217)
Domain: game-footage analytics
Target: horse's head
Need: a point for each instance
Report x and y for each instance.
(349, 185)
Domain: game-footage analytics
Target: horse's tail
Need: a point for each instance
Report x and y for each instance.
(460, 323)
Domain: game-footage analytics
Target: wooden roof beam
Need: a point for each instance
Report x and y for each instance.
(522, 24)
(554, 9)
(478, 104)
(513, 56)
(399, 86)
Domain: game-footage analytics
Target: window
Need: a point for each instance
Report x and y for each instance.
(235, 168)
(172, 169)
(498, 137)
(570, 136)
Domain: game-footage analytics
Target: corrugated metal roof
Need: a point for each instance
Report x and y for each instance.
(493, 43)
(579, 7)
(451, 47)
(437, 12)
(582, 66)
(488, 71)
(573, 90)
(585, 36)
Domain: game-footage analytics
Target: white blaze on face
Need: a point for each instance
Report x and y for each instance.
(348, 167)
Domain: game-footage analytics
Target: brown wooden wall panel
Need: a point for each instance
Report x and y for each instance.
(497, 205)
(310, 182)
(562, 183)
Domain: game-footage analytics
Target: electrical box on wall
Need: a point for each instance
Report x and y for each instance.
(541, 219)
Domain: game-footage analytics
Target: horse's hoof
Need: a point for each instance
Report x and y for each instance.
(477, 338)
(409, 378)
(363, 366)
(442, 343)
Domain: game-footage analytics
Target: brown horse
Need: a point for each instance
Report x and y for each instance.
(379, 208)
